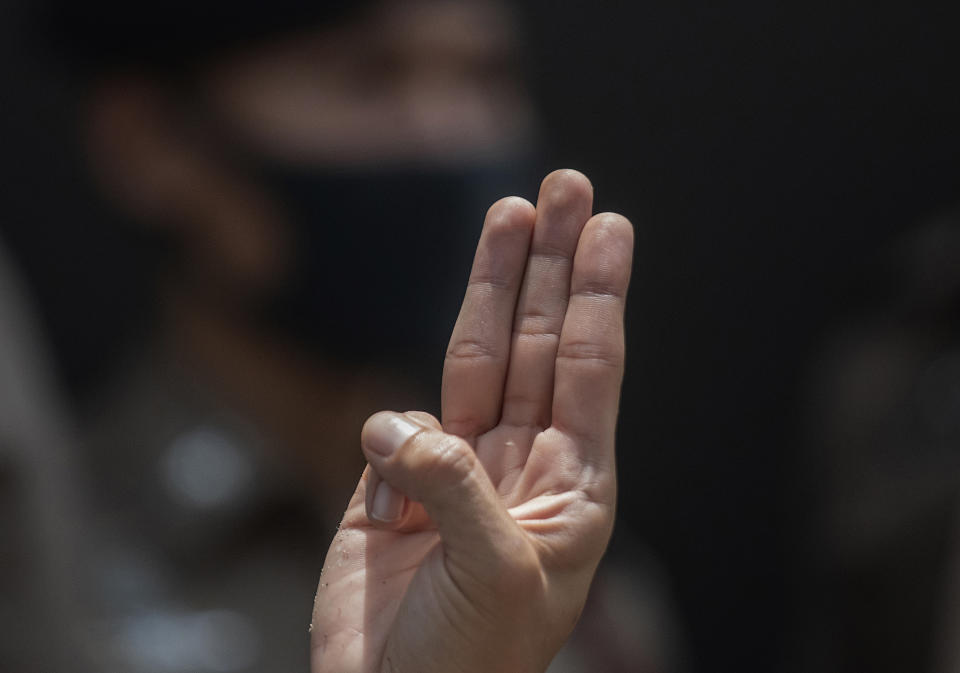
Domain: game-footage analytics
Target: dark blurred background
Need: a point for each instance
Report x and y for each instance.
(184, 370)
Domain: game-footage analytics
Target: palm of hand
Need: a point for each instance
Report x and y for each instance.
(492, 576)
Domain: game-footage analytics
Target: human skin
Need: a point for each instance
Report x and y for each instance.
(470, 542)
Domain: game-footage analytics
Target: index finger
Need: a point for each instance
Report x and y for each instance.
(479, 350)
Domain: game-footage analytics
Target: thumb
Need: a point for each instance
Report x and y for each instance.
(481, 540)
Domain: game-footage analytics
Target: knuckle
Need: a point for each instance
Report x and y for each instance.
(443, 458)
(472, 349)
(599, 288)
(488, 281)
(465, 424)
(604, 355)
(538, 325)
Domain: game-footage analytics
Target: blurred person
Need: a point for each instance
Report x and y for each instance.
(267, 165)
(288, 164)
(288, 170)
(682, 124)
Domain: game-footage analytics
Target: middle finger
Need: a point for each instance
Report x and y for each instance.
(563, 207)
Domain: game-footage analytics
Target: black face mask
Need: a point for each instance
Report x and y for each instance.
(382, 257)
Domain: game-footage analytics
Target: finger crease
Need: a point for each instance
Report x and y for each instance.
(589, 353)
(492, 282)
(473, 350)
(555, 255)
(536, 333)
(597, 291)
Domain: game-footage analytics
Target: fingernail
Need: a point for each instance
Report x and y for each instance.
(386, 432)
(387, 503)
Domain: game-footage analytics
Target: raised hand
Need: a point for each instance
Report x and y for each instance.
(469, 545)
